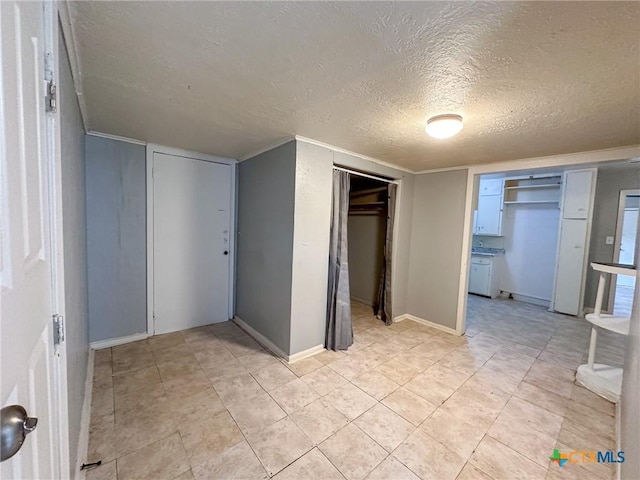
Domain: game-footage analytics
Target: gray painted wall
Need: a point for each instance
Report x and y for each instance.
(116, 238)
(630, 401)
(75, 250)
(312, 224)
(266, 192)
(436, 245)
(366, 251)
(610, 182)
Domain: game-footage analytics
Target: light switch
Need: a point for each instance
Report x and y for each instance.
(608, 240)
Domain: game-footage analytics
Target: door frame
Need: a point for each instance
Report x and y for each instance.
(617, 243)
(569, 161)
(54, 145)
(152, 149)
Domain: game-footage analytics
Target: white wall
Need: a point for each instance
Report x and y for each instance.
(116, 237)
(75, 249)
(366, 255)
(266, 195)
(436, 246)
(530, 243)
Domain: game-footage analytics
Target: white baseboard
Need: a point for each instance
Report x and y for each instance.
(309, 352)
(437, 326)
(273, 348)
(114, 342)
(260, 338)
(532, 300)
(85, 420)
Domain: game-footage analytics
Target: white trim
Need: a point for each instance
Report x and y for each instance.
(69, 34)
(617, 243)
(521, 297)
(52, 153)
(348, 152)
(114, 342)
(582, 159)
(260, 338)
(85, 419)
(472, 192)
(149, 239)
(577, 159)
(272, 347)
(309, 352)
(118, 138)
(178, 152)
(277, 144)
(422, 321)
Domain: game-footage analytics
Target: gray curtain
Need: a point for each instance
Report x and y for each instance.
(383, 307)
(339, 327)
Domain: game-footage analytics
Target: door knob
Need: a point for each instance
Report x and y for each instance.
(16, 424)
(226, 252)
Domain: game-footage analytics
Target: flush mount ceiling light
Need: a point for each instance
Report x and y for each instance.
(444, 126)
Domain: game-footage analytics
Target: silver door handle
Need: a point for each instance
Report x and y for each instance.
(16, 425)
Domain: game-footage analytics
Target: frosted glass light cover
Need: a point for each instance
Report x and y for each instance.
(444, 126)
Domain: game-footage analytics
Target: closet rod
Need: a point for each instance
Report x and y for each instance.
(386, 180)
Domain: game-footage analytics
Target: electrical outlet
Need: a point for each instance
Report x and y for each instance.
(608, 240)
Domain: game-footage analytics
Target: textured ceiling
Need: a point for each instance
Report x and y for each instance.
(529, 78)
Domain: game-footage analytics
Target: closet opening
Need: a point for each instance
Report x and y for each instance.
(360, 257)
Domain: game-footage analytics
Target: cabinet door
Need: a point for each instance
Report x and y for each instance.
(577, 194)
(491, 186)
(479, 276)
(571, 258)
(489, 215)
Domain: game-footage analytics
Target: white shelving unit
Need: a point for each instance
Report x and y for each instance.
(532, 190)
(604, 380)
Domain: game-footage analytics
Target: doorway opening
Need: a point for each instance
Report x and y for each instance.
(360, 254)
(623, 287)
(367, 226)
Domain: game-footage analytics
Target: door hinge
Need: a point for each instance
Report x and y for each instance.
(58, 329)
(50, 100)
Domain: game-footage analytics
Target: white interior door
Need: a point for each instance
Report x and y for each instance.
(628, 244)
(30, 363)
(191, 237)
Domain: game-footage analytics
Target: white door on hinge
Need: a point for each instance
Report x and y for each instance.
(191, 242)
(31, 365)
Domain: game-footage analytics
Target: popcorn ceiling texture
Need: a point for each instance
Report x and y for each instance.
(530, 79)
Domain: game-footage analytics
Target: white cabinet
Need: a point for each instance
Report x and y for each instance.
(571, 258)
(488, 216)
(490, 186)
(573, 243)
(483, 276)
(489, 219)
(577, 193)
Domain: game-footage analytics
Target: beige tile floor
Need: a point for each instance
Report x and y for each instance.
(405, 402)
